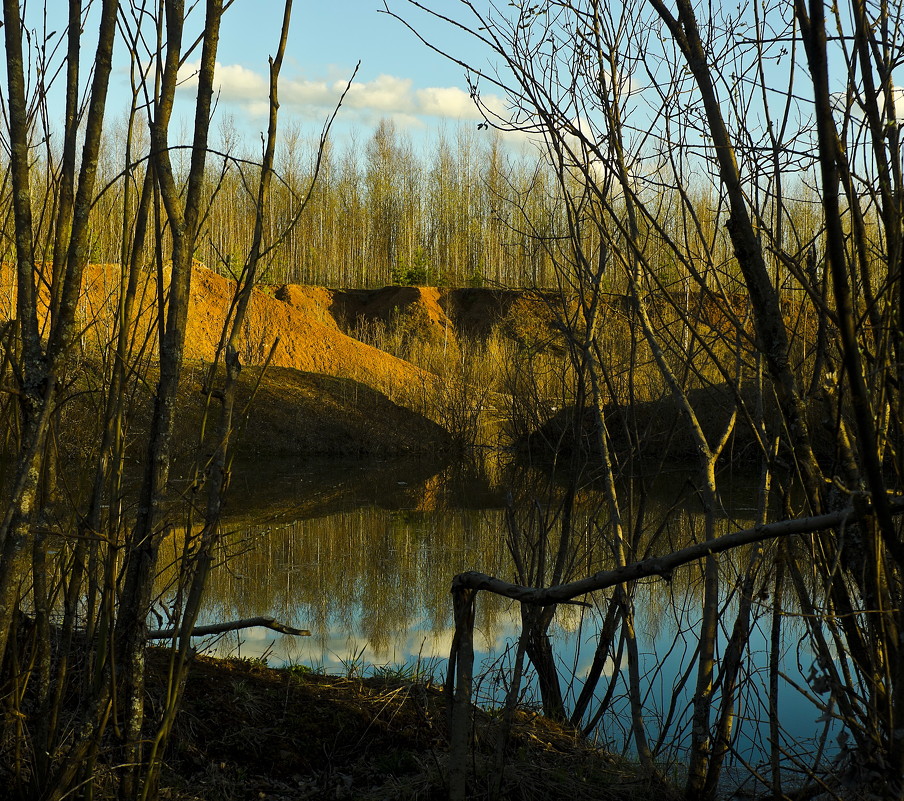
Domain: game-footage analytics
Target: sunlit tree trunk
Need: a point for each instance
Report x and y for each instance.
(183, 215)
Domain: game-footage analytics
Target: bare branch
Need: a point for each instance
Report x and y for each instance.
(662, 565)
(231, 625)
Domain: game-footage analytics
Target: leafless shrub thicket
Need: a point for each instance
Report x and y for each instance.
(739, 169)
(81, 553)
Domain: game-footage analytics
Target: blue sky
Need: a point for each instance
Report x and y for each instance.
(399, 77)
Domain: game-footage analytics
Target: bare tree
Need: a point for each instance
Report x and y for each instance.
(655, 121)
(79, 572)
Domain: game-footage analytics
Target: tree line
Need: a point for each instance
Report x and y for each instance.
(382, 212)
(470, 208)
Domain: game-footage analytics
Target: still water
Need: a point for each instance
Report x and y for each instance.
(363, 556)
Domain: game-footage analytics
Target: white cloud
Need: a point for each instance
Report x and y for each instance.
(235, 82)
(447, 101)
(384, 95)
(842, 104)
(232, 81)
(307, 93)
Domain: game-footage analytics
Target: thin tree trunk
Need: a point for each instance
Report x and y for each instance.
(39, 368)
(143, 545)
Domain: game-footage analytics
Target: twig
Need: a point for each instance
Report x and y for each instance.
(232, 625)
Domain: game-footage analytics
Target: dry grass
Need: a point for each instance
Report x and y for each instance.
(249, 732)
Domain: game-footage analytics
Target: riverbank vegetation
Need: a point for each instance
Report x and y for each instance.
(248, 731)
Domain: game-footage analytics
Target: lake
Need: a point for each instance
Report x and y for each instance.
(363, 555)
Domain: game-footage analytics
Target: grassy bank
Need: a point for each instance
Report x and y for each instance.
(247, 731)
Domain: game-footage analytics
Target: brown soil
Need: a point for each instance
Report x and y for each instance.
(301, 335)
(416, 307)
(324, 392)
(476, 311)
(428, 313)
(249, 732)
(317, 302)
(303, 342)
(345, 397)
(347, 308)
(308, 327)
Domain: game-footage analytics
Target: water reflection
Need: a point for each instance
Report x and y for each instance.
(369, 550)
(370, 575)
(364, 558)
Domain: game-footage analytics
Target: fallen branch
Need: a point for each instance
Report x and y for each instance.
(661, 565)
(233, 625)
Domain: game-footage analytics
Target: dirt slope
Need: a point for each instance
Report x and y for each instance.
(304, 331)
(430, 314)
(295, 414)
(418, 310)
(324, 394)
(306, 340)
(317, 302)
(247, 732)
